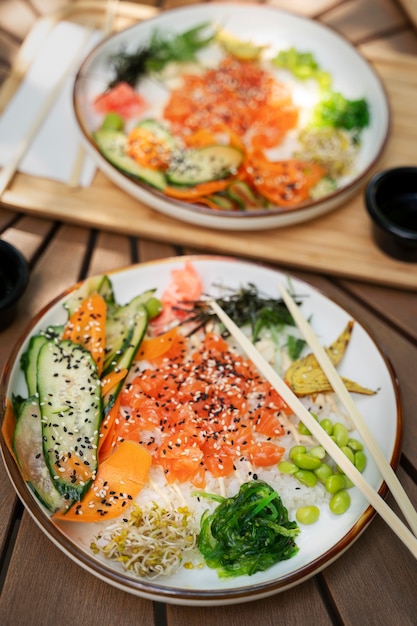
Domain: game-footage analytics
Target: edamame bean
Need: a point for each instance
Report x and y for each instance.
(340, 502)
(355, 445)
(306, 461)
(286, 467)
(153, 307)
(303, 430)
(306, 477)
(318, 451)
(348, 483)
(327, 425)
(335, 483)
(112, 121)
(307, 514)
(360, 460)
(348, 452)
(341, 435)
(297, 450)
(323, 472)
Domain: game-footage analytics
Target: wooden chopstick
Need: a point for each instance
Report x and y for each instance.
(373, 497)
(10, 169)
(110, 16)
(344, 396)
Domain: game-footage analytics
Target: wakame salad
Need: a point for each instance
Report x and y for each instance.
(237, 126)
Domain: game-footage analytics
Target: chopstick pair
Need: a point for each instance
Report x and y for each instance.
(10, 169)
(111, 13)
(400, 529)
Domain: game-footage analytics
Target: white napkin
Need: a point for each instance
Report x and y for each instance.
(54, 149)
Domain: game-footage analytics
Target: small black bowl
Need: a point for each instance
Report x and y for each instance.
(14, 276)
(391, 201)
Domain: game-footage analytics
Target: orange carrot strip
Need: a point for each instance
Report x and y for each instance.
(156, 346)
(119, 480)
(87, 327)
(108, 435)
(112, 379)
(8, 426)
(204, 189)
(200, 138)
(147, 149)
(71, 465)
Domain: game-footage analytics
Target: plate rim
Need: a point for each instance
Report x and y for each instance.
(148, 589)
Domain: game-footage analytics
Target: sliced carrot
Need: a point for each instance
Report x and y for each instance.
(119, 480)
(156, 346)
(200, 138)
(285, 183)
(147, 149)
(198, 191)
(112, 379)
(87, 327)
(8, 426)
(107, 434)
(72, 465)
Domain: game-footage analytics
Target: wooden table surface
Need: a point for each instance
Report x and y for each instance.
(375, 581)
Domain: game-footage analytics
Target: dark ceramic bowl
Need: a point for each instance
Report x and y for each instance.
(14, 275)
(391, 201)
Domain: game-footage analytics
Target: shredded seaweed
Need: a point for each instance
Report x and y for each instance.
(246, 306)
(129, 67)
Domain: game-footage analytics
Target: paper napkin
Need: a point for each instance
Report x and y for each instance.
(54, 149)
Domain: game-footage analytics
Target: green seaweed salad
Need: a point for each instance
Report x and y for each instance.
(248, 532)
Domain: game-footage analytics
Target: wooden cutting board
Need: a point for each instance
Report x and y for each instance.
(338, 244)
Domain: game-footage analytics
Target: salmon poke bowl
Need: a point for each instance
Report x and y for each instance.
(148, 447)
(233, 117)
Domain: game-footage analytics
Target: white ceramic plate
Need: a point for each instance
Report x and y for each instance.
(352, 76)
(320, 543)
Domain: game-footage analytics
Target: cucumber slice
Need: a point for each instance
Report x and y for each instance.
(112, 145)
(223, 202)
(27, 445)
(29, 359)
(95, 284)
(71, 408)
(204, 164)
(247, 199)
(121, 327)
(124, 359)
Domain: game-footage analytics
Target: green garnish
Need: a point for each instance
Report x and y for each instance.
(245, 305)
(333, 109)
(303, 65)
(129, 67)
(295, 346)
(337, 111)
(247, 533)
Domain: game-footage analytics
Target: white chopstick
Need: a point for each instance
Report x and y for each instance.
(74, 179)
(344, 396)
(10, 169)
(317, 431)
